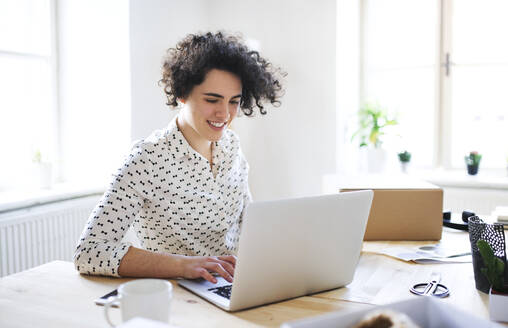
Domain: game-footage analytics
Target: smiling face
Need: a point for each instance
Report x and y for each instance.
(210, 108)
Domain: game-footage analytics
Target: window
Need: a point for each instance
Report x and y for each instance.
(71, 103)
(444, 76)
(27, 80)
(477, 80)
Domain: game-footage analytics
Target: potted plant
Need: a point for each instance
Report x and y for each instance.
(494, 271)
(373, 121)
(473, 162)
(42, 170)
(404, 158)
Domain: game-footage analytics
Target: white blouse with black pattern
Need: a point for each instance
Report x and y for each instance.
(174, 200)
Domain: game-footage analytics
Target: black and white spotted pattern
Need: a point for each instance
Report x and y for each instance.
(175, 201)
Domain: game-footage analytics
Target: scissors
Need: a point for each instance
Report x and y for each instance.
(432, 288)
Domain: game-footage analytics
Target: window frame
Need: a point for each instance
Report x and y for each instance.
(55, 81)
(444, 108)
(442, 138)
(52, 61)
(437, 138)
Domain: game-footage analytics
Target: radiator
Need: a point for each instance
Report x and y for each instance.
(40, 234)
(480, 201)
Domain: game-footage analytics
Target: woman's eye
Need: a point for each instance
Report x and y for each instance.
(212, 101)
(235, 102)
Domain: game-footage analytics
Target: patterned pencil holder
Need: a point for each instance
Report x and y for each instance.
(493, 234)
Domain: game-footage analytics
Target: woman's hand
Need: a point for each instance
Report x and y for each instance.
(201, 267)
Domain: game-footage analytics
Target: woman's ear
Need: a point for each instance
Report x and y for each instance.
(181, 100)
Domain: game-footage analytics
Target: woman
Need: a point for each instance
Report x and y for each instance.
(184, 189)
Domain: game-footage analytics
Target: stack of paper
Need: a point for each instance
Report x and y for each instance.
(429, 253)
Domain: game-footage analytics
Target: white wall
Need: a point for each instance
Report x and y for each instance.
(94, 80)
(155, 26)
(348, 83)
(293, 146)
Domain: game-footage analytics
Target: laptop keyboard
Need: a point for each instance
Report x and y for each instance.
(224, 291)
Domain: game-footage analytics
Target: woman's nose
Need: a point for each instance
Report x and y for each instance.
(222, 112)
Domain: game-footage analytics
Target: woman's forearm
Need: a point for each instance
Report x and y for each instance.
(142, 263)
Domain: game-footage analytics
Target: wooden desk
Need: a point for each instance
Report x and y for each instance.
(55, 295)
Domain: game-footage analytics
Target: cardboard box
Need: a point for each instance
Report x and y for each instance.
(403, 208)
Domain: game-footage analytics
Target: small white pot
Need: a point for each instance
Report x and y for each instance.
(44, 175)
(498, 306)
(404, 166)
(376, 160)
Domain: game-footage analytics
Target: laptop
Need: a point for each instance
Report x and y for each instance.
(292, 247)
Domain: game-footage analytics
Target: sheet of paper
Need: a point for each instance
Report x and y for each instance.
(435, 253)
(381, 280)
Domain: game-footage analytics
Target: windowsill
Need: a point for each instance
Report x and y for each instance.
(14, 200)
(485, 179)
(493, 179)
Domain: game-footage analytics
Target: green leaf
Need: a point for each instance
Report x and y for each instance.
(486, 252)
(374, 137)
(497, 283)
(372, 119)
(494, 270)
(499, 266)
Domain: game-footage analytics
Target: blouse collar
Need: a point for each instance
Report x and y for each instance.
(178, 145)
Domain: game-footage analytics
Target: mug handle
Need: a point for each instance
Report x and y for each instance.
(107, 305)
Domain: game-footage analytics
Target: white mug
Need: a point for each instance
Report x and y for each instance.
(148, 298)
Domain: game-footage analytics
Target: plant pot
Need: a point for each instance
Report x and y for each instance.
(498, 306)
(493, 234)
(404, 166)
(481, 281)
(472, 169)
(43, 175)
(376, 160)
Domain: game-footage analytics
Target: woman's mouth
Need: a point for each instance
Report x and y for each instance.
(217, 126)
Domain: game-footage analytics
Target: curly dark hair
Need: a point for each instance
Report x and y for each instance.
(186, 65)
